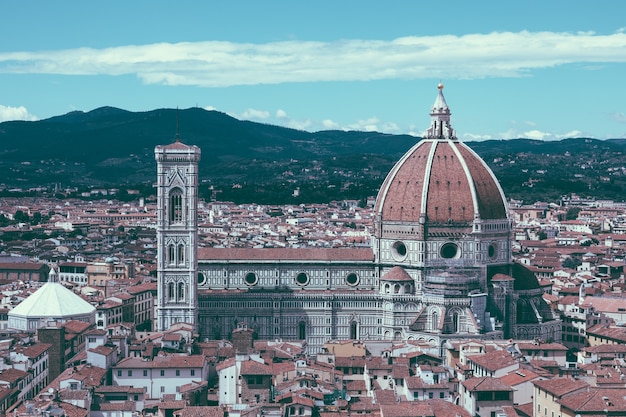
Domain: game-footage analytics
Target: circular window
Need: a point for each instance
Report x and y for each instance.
(302, 279)
(251, 278)
(492, 251)
(201, 278)
(449, 251)
(352, 279)
(398, 250)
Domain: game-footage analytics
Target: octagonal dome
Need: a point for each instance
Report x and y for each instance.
(440, 180)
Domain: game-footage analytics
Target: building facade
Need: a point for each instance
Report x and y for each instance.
(439, 267)
(177, 234)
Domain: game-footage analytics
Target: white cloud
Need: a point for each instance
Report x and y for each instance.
(253, 114)
(281, 114)
(571, 134)
(15, 113)
(209, 108)
(472, 136)
(221, 64)
(366, 125)
(300, 125)
(328, 124)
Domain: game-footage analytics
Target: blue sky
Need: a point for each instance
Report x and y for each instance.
(536, 69)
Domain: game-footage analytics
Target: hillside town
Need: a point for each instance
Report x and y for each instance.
(95, 350)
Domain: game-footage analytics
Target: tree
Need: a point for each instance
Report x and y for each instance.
(21, 217)
(36, 218)
(571, 262)
(572, 213)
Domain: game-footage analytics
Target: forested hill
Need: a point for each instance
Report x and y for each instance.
(251, 162)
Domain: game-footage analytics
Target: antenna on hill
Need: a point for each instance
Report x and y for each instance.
(177, 131)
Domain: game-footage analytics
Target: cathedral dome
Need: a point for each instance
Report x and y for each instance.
(51, 302)
(440, 180)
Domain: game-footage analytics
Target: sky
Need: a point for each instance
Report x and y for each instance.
(534, 69)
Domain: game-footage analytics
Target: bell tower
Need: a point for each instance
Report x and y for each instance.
(177, 234)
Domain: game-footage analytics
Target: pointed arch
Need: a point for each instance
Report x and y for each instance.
(456, 321)
(171, 253)
(302, 330)
(176, 205)
(354, 330)
(434, 320)
(181, 254)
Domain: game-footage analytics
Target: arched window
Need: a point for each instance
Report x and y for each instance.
(171, 254)
(170, 292)
(354, 330)
(181, 254)
(435, 320)
(181, 291)
(455, 322)
(302, 330)
(176, 206)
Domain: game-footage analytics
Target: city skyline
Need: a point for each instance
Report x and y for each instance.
(538, 70)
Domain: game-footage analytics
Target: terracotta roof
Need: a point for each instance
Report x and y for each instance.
(172, 337)
(458, 181)
(362, 404)
(349, 362)
(75, 326)
(170, 361)
(601, 401)
(561, 386)
(606, 348)
(225, 364)
(118, 406)
(385, 397)
(542, 346)
(172, 405)
(494, 360)
(502, 277)
(119, 388)
(251, 367)
(485, 383)
(396, 274)
(147, 286)
(525, 410)
(12, 375)
(434, 408)
(103, 350)
(90, 376)
(519, 377)
(33, 351)
(287, 254)
(355, 385)
(22, 266)
(200, 411)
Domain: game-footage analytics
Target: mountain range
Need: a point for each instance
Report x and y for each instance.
(244, 161)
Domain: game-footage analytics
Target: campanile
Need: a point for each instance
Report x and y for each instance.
(177, 234)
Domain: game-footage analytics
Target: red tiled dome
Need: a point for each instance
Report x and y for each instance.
(441, 180)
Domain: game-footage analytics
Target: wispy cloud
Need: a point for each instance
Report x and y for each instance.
(222, 64)
(619, 117)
